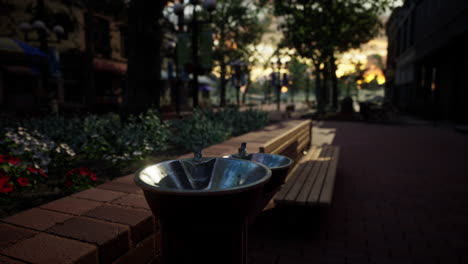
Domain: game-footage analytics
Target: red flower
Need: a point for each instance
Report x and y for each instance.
(84, 171)
(23, 181)
(5, 186)
(93, 176)
(13, 160)
(43, 174)
(68, 184)
(32, 170)
(3, 158)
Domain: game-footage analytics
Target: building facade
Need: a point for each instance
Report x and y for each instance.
(85, 68)
(427, 60)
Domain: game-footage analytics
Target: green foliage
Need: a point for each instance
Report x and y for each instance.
(79, 179)
(299, 73)
(139, 137)
(17, 176)
(206, 127)
(199, 131)
(320, 29)
(92, 137)
(238, 29)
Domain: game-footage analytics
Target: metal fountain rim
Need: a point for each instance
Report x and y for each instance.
(171, 191)
(291, 161)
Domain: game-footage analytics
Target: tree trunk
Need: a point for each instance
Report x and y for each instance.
(334, 81)
(319, 89)
(247, 86)
(144, 60)
(89, 89)
(325, 87)
(222, 86)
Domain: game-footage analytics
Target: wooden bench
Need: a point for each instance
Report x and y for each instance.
(291, 143)
(311, 181)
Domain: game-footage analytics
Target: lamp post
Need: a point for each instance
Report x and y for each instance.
(210, 6)
(39, 24)
(40, 27)
(278, 81)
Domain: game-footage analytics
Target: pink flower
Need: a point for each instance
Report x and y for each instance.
(23, 181)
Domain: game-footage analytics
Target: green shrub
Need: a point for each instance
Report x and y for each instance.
(79, 179)
(139, 137)
(206, 127)
(199, 131)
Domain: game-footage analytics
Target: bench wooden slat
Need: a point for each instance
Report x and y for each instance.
(301, 176)
(274, 143)
(293, 176)
(325, 159)
(290, 182)
(292, 138)
(314, 180)
(327, 191)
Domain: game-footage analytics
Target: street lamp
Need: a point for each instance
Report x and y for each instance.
(210, 6)
(40, 26)
(278, 81)
(42, 31)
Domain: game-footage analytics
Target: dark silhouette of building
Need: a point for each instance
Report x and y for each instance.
(427, 65)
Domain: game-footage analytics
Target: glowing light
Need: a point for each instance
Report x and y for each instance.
(374, 74)
(284, 89)
(243, 88)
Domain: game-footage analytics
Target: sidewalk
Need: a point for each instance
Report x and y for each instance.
(400, 197)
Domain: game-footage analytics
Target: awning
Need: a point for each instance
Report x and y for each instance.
(16, 46)
(110, 66)
(13, 51)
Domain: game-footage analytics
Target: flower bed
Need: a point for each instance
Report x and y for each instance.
(47, 158)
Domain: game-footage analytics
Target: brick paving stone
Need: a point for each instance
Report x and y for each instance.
(119, 187)
(6, 260)
(47, 249)
(37, 219)
(140, 222)
(126, 179)
(99, 195)
(142, 253)
(10, 235)
(71, 205)
(133, 200)
(112, 239)
(390, 196)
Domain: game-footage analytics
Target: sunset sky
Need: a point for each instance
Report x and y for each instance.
(346, 61)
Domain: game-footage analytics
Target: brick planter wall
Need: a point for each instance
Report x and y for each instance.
(108, 224)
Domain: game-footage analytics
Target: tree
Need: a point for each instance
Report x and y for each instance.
(298, 72)
(320, 29)
(144, 57)
(236, 27)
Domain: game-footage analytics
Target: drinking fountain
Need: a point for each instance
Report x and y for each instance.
(203, 205)
(279, 166)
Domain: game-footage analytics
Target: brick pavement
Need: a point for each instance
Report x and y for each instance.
(400, 197)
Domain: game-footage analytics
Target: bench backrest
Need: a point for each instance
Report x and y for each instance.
(290, 143)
